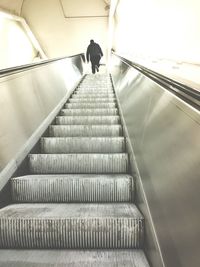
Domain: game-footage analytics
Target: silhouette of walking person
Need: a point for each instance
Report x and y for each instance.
(94, 54)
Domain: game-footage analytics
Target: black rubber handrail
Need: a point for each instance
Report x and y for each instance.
(185, 92)
(20, 68)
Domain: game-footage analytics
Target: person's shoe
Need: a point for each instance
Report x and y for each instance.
(97, 68)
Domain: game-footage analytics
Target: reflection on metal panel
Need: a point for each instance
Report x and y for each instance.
(26, 99)
(164, 133)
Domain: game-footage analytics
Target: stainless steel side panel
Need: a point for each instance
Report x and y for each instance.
(164, 133)
(26, 99)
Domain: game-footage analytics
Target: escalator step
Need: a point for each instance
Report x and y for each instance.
(87, 120)
(78, 163)
(90, 105)
(93, 100)
(78, 225)
(93, 93)
(85, 130)
(73, 258)
(89, 112)
(82, 145)
(72, 188)
(93, 96)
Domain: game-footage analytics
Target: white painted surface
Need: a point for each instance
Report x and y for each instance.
(89, 8)
(16, 47)
(12, 6)
(60, 36)
(161, 35)
(167, 29)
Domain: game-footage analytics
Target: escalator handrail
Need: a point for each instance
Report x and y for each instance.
(185, 92)
(9, 71)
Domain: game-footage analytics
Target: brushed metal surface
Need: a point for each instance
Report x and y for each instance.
(89, 100)
(78, 163)
(94, 91)
(90, 112)
(90, 95)
(73, 188)
(28, 97)
(85, 130)
(90, 105)
(164, 133)
(82, 145)
(72, 258)
(71, 226)
(81, 226)
(94, 86)
(87, 120)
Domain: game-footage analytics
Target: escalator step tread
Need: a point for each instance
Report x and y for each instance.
(78, 163)
(78, 225)
(88, 120)
(73, 258)
(82, 145)
(72, 188)
(85, 130)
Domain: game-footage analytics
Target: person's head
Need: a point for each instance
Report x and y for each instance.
(92, 41)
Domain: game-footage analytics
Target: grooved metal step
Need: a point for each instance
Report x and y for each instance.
(72, 188)
(78, 195)
(87, 120)
(97, 89)
(83, 96)
(91, 84)
(97, 93)
(82, 145)
(73, 258)
(88, 100)
(92, 93)
(78, 163)
(96, 84)
(71, 226)
(85, 130)
(90, 105)
(89, 112)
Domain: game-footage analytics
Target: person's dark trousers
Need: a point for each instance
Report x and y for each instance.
(95, 63)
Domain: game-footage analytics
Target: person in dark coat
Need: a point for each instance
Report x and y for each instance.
(94, 54)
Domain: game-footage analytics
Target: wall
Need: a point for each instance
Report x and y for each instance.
(162, 35)
(28, 97)
(164, 134)
(15, 46)
(62, 36)
(167, 29)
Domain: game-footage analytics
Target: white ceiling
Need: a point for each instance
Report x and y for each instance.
(86, 8)
(13, 6)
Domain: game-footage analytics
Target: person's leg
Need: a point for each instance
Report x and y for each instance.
(93, 65)
(93, 68)
(98, 60)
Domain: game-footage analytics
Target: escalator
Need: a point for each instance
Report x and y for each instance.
(75, 206)
(105, 165)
